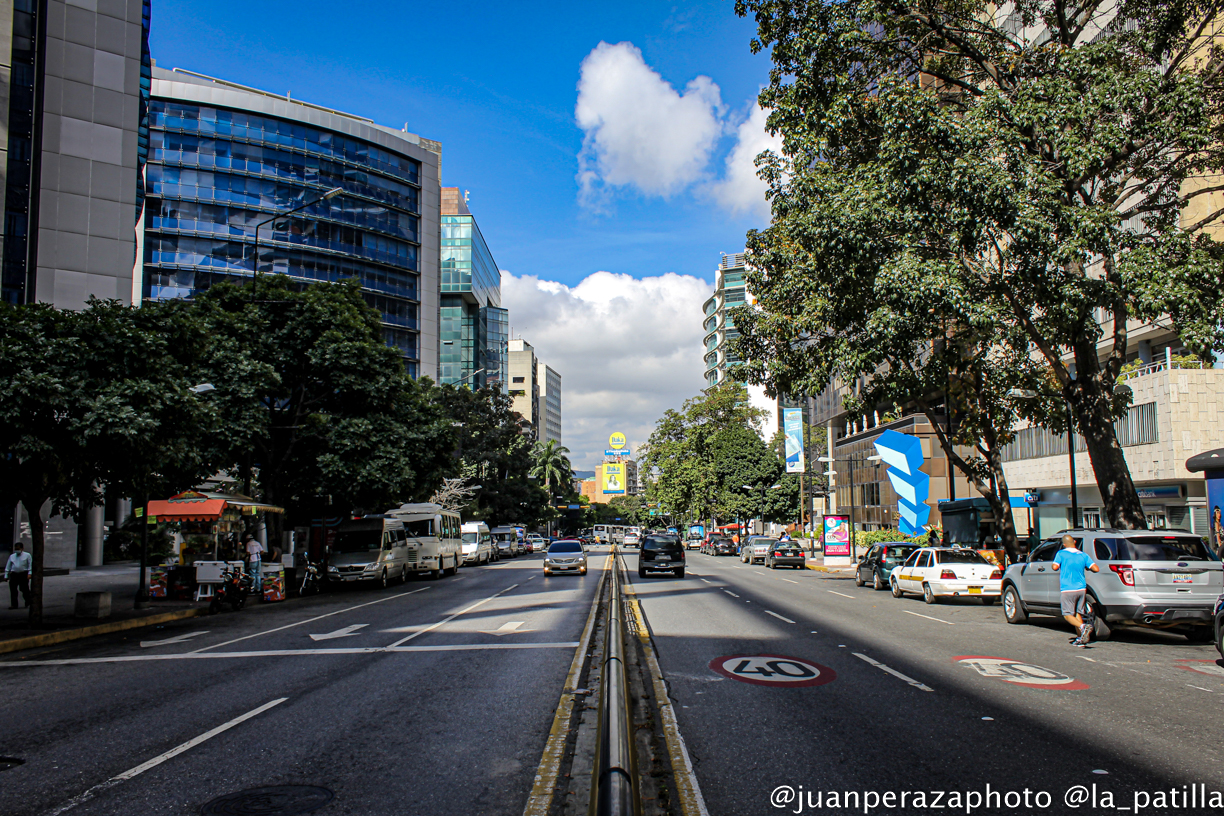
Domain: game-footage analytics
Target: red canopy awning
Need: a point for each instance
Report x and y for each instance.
(187, 509)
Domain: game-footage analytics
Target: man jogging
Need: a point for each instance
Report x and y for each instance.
(1070, 565)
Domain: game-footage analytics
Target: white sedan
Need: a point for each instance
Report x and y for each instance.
(935, 572)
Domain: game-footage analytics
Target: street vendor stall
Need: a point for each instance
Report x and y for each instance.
(211, 526)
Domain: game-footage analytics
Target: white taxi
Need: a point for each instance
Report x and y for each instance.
(935, 572)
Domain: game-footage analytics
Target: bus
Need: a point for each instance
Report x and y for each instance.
(435, 538)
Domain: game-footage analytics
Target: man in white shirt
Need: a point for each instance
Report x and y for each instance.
(254, 548)
(17, 573)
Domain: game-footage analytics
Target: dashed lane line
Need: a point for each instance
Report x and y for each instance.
(928, 617)
(779, 617)
(844, 595)
(893, 672)
(729, 592)
(787, 580)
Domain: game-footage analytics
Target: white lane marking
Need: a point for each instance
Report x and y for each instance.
(779, 617)
(450, 618)
(844, 595)
(893, 672)
(1085, 657)
(508, 628)
(311, 620)
(347, 631)
(729, 592)
(144, 644)
(465, 647)
(532, 578)
(708, 582)
(928, 617)
(157, 760)
(787, 580)
(1200, 688)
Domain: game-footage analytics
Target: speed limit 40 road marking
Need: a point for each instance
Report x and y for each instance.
(773, 670)
(1019, 673)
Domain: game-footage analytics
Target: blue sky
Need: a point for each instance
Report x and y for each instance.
(604, 276)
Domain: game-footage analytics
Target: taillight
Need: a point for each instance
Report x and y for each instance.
(996, 574)
(947, 575)
(1125, 572)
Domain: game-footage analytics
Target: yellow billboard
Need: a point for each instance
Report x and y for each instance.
(613, 477)
(617, 440)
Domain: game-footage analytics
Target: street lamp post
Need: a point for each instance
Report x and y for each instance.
(469, 376)
(330, 194)
(852, 459)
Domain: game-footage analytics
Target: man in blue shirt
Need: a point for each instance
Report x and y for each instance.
(1070, 564)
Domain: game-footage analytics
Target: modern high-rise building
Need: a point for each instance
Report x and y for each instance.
(225, 159)
(474, 327)
(524, 387)
(72, 96)
(730, 290)
(549, 409)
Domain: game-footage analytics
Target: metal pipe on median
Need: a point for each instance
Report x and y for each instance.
(614, 791)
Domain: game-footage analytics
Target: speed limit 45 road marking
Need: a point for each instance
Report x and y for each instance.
(773, 670)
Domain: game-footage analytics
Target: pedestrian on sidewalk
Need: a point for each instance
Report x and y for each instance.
(1071, 564)
(17, 572)
(254, 548)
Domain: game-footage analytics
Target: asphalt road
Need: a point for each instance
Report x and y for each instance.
(899, 712)
(452, 720)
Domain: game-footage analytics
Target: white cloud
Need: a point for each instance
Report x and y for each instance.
(626, 349)
(741, 190)
(640, 131)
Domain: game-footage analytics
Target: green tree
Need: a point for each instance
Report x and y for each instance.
(945, 171)
(553, 466)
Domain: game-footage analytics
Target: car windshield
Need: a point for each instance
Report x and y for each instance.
(352, 541)
(660, 542)
(419, 528)
(471, 538)
(510, 536)
(1170, 548)
(960, 557)
(565, 547)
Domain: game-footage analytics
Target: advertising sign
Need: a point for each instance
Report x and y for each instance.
(792, 425)
(613, 477)
(836, 537)
(1215, 511)
(617, 440)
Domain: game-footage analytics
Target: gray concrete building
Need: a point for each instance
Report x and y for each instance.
(549, 402)
(525, 385)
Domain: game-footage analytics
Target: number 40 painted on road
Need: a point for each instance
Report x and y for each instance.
(773, 670)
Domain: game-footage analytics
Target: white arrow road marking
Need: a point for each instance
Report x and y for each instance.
(893, 672)
(339, 633)
(144, 644)
(507, 628)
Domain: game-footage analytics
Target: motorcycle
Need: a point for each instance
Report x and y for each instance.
(233, 589)
(312, 579)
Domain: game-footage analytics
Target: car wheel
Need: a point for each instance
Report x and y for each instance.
(641, 572)
(1101, 630)
(1013, 608)
(876, 583)
(858, 577)
(896, 589)
(383, 582)
(928, 595)
(437, 573)
(404, 574)
(680, 572)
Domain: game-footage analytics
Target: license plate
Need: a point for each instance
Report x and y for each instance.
(662, 557)
(1182, 578)
(975, 590)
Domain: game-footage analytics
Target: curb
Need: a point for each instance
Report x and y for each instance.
(65, 635)
(822, 568)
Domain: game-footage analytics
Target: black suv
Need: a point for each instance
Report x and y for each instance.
(661, 553)
(877, 565)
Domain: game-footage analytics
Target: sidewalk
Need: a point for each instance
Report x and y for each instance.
(816, 562)
(59, 604)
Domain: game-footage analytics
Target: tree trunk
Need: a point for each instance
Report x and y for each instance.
(38, 550)
(1091, 403)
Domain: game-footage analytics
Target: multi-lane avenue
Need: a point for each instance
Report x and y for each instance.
(789, 688)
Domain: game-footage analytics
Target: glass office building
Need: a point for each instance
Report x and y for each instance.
(474, 328)
(730, 291)
(223, 158)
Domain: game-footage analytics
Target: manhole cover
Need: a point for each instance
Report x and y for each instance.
(279, 800)
(10, 762)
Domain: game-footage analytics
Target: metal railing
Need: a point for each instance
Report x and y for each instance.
(614, 788)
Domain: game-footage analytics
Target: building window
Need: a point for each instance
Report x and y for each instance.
(517, 392)
(518, 379)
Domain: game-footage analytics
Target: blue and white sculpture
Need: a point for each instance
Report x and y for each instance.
(903, 455)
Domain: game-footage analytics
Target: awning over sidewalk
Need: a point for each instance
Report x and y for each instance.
(196, 506)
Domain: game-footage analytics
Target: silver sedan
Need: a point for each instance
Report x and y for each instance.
(565, 555)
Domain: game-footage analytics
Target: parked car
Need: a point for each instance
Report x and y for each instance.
(718, 545)
(661, 553)
(785, 554)
(878, 563)
(1159, 579)
(507, 541)
(477, 543)
(938, 572)
(755, 549)
(1219, 625)
(565, 555)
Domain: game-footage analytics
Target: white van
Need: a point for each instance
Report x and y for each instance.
(506, 539)
(435, 538)
(373, 548)
(477, 543)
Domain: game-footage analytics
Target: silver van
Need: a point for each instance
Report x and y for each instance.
(1159, 579)
(506, 539)
(372, 548)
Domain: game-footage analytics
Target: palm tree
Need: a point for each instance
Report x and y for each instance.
(551, 464)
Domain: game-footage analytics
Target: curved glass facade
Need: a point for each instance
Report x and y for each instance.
(214, 173)
(730, 291)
